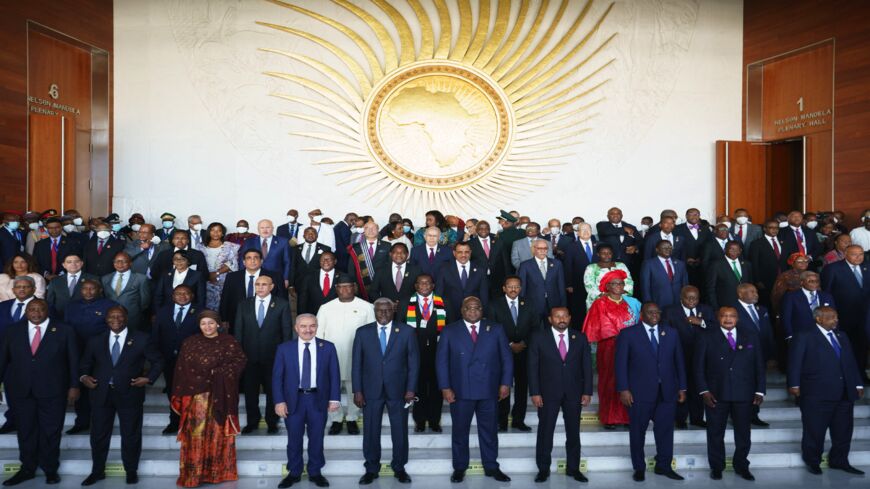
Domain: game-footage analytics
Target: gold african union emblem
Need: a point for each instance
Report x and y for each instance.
(454, 122)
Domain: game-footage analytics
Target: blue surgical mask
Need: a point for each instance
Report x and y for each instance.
(406, 229)
(168, 224)
(116, 227)
(13, 225)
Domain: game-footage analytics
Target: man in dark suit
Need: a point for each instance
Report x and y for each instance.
(765, 255)
(128, 289)
(386, 365)
(519, 320)
(824, 378)
(319, 287)
(560, 377)
(714, 249)
(99, 252)
(167, 226)
(797, 306)
(395, 281)
(848, 281)
(305, 259)
(695, 235)
(662, 277)
(724, 275)
(475, 371)
(751, 316)
(305, 390)
(460, 278)
(488, 248)
(112, 368)
(342, 238)
(622, 236)
(11, 239)
(12, 312)
(430, 256)
(797, 238)
(41, 359)
(52, 250)
(162, 263)
(744, 231)
(543, 280)
(144, 250)
(729, 372)
(578, 252)
(239, 285)
(197, 235)
(174, 323)
(262, 323)
(180, 274)
(275, 250)
(67, 287)
(690, 318)
(291, 229)
(367, 258)
(665, 233)
(651, 380)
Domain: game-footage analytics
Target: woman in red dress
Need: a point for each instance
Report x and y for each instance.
(608, 315)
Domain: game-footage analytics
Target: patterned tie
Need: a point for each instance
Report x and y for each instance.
(426, 311)
(34, 345)
(431, 255)
(325, 284)
(398, 277)
(835, 344)
(16, 316)
(54, 255)
(736, 271)
(118, 284)
(814, 300)
(261, 313)
(305, 381)
(858, 276)
(250, 286)
(179, 318)
(542, 266)
(463, 277)
(670, 270)
(264, 248)
(473, 333)
(563, 348)
(653, 341)
(486, 247)
(800, 241)
(73, 280)
(383, 338)
(100, 245)
(588, 252)
(731, 342)
(514, 312)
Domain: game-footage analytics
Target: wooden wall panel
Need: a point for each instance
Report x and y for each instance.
(819, 181)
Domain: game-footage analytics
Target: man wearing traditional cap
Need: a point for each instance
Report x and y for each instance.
(508, 234)
(325, 234)
(167, 220)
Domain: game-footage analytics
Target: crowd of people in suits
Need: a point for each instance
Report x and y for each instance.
(684, 317)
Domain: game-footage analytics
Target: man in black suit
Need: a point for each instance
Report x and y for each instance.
(560, 377)
(664, 233)
(239, 285)
(765, 255)
(368, 257)
(714, 249)
(162, 264)
(99, 251)
(41, 359)
(342, 238)
(848, 281)
(395, 281)
(174, 323)
(12, 312)
(623, 237)
(67, 287)
(52, 250)
(290, 229)
(690, 318)
(319, 287)
(724, 275)
(112, 368)
(729, 372)
(823, 376)
(305, 259)
(695, 235)
(489, 248)
(11, 239)
(797, 238)
(460, 278)
(519, 321)
(262, 323)
(578, 252)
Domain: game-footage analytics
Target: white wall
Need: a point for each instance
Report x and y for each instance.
(196, 129)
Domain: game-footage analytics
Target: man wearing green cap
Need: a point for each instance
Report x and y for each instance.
(508, 234)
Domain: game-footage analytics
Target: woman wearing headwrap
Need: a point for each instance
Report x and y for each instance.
(790, 279)
(609, 314)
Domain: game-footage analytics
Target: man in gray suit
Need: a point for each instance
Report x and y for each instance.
(522, 248)
(144, 250)
(66, 287)
(744, 230)
(129, 289)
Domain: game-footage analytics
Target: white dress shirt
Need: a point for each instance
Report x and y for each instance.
(476, 327)
(122, 338)
(467, 266)
(178, 278)
(313, 350)
(389, 327)
(735, 263)
(331, 274)
(828, 338)
(794, 231)
(564, 334)
(747, 307)
(667, 236)
(266, 301)
(69, 278)
(31, 330)
(398, 269)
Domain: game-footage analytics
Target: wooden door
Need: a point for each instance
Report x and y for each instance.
(741, 178)
(51, 170)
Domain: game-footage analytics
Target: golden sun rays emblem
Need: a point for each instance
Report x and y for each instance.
(454, 122)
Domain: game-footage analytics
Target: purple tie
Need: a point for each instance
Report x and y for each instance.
(371, 250)
(563, 349)
(731, 342)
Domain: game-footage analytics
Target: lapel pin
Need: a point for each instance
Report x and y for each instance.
(739, 347)
(54, 329)
(522, 303)
(473, 269)
(487, 328)
(663, 333)
(573, 337)
(321, 344)
(272, 305)
(99, 313)
(396, 330)
(129, 342)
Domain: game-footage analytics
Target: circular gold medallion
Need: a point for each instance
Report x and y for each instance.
(438, 124)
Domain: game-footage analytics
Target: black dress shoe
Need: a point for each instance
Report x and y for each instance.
(756, 421)
(502, 428)
(457, 476)
(700, 424)
(521, 427)
(52, 478)
(814, 469)
(368, 478)
(247, 430)
(436, 428)
(669, 473)
(93, 478)
(171, 429)
(681, 425)
(335, 428)
(419, 428)
(19, 477)
(78, 428)
(352, 428)
(577, 475)
(289, 481)
(542, 476)
(318, 480)
(716, 475)
(497, 474)
(848, 469)
(610, 427)
(745, 474)
(272, 430)
(7, 428)
(402, 477)
(132, 478)
(638, 476)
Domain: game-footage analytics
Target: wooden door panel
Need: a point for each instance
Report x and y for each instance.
(741, 178)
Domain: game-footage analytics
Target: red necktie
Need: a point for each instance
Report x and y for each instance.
(100, 244)
(37, 338)
(325, 284)
(473, 333)
(426, 311)
(775, 247)
(800, 242)
(670, 270)
(53, 255)
(740, 232)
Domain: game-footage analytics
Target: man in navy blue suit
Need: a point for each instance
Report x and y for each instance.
(386, 364)
(291, 229)
(11, 240)
(848, 281)
(797, 238)
(752, 316)
(662, 277)
(475, 370)
(578, 253)
(51, 251)
(305, 384)
(664, 233)
(430, 256)
(824, 378)
(275, 250)
(11, 312)
(651, 380)
(797, 306)
(543, 280)
(729, 372)
(459, 279)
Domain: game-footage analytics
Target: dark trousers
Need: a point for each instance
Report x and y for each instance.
(83, 408)
(130, 423)
(548, 415)
(461, 411)
(577, 303)
(256, 375)
(661, 413)
(819, 416)
(168, 372)
(693, 408)
(307, 419)
(40, 424)
(717, 421)
(521, 391)
(10, 409)
(373, 413)
(428, 408)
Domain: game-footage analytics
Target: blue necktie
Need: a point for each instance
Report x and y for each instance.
(814, 300)
(383, 338)
(753, 315)
(16, 316)
(250, 286)
(463, 277)
(514, 312)
(261, 313)
(116, 350)
(306, 368)
(179, 317)
(858, 276)
(588, 252)
(835, 344)
(654, 341)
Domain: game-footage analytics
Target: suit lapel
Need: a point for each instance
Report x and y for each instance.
(392, 340)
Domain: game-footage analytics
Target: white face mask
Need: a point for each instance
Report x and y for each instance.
(522, 226)
(33, 226)
(555, 230)
(291, 219)
(812, 224)
(835, 220)
(103, 234)
(197, 227)
(77, 221)
(783, 224)
(136, 227)
(316, 218)
(356, 230)
(643, 228)
(241, 229)
(69, 228)
(576, 227)
(742, 220)
(155, 240)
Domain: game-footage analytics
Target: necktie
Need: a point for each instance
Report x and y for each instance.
(265, 248)
(542, 266)
(325, 284)
(692, 312)
(473, 333)
(118, 283)
(753, 314)
(775, 247)
(383, 337)
(858, 276)
(16, 316)
(653, 340)
(834, 343)
(371, 250)
(736, 271)
(308, 253)
(261, 313)
(563, 348)
(514, 312)
(250, 286)
(670, 270)
(740, 232)
(426, 310)
(463, 277)
(731, 342)
(53, 255)
(398, 277)
(800, 241)
(100, 244)
(305, 382)
(553, 241)
(431, 255)
(588, 252)
(73, 280)
(486, 247)
(179, 317)
(116, 350)
(814, 300)
(34, 345)
(722, 244)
